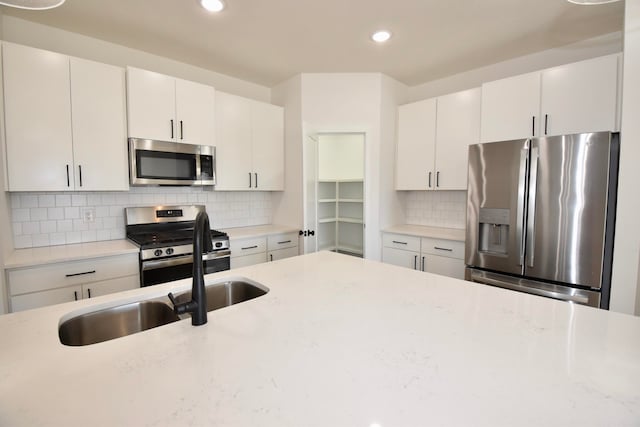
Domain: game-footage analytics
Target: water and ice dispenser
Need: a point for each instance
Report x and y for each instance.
(494, 231)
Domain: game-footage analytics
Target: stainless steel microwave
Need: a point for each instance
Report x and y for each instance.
(171, 163)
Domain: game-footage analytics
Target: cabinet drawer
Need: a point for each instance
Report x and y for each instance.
(401, 241)
(247, 260)
(51, 276)
(441, 247)
(42, 299)
(248, 246)
(282, 241)
(282, 254)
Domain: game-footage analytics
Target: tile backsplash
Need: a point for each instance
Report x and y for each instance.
(45, 219)
(436, 208)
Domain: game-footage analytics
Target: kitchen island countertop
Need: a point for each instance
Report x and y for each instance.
(338, 341)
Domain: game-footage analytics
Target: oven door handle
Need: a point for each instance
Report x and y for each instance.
(181, 260)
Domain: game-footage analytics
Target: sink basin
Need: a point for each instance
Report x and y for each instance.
(225, 294)
(127, 319)
(115, 322)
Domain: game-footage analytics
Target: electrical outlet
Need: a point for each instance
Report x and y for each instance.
(88, 215)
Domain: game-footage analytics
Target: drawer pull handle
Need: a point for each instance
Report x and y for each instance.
(80, 274)
(89, 292)
(75, 295)
(250, 247)
(443, 249)
(400, 243)
(286, 241)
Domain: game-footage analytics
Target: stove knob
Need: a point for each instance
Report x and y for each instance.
(218, 244)
(169, 251)
(158, 252)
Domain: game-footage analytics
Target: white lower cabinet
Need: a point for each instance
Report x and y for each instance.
(439, 256)
(256, 250)
(34, 287)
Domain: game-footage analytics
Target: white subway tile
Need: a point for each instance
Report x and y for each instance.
(20, 215)
(29, 201)
(38, 214)
(102, 211)
(116, 211)
(55, 213)
(57, 239)
(122, 198)
(48, 226)
(109, 222)
(40, 240)
(73, 237)
(30, 228)
(108, 199)
(25, 241)
(103, 235)
(89, 236)
(65, 225)
(72, 213)
(78, 200)
(17, 228)
(63, 200)
(80, 225)
(15, 201)
(94, 200)
(46, 201)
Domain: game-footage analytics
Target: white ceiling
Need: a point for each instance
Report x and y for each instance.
(268, 41)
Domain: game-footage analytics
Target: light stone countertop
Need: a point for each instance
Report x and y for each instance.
(51, 254)
(338, 341)
(424, 231)
(257, 231)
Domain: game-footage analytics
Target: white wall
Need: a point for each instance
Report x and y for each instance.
(625, 292)
(341, 156)
(599, 46)
(393, 93)
(5, 229)
(49, 38)
(288, 204)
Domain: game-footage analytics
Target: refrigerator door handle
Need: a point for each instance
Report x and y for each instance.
(522, 186)
(574, 295)
(531, 214)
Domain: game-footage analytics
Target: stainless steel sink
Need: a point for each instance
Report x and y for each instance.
(115, 322)
(127, 319)
(225, 294)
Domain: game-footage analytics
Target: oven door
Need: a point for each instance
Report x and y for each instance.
(163, 163)
(154, 272)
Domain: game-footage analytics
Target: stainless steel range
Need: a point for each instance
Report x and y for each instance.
(165, 237)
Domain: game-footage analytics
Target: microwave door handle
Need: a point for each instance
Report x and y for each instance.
(531, 214)
(522, 186)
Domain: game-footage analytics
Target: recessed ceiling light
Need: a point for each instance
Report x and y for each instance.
(591, 2)
(381, 36)
(33, 4)
(212, 5)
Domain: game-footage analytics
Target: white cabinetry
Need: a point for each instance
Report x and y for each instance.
(282, 246)
(34, 287)
(99, 126)
(416, 145)
(46, 150)
(439, 256)
(166, 108)
(250, 144)
(572, 98)
(256, 250)
(433, 136)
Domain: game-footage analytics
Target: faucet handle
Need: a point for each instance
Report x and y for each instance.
(185, 307)
(172, 298)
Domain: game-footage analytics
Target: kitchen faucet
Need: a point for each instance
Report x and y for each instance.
(197, 307)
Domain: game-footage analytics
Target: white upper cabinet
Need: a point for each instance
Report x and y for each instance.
(580, 97)
(458, 126)
(433, 140)
(249, 144)
(37, 105)
(169, 109)
(65, 122)
(572, 98)
(195, 113)
(267, 128)
(99, 126)
(511, 108)
(416, 145)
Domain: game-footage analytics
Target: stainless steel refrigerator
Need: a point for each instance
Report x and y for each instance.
(541, 214)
